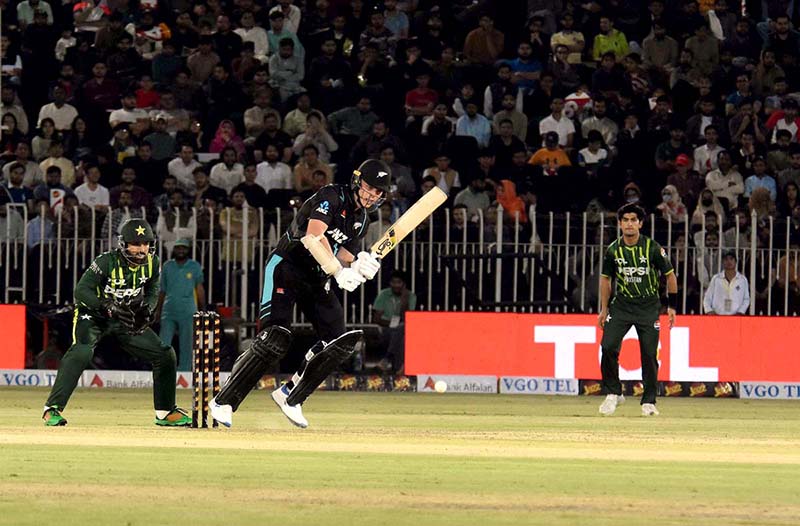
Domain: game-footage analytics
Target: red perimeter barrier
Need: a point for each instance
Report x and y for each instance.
(12, 329)
(698, 348)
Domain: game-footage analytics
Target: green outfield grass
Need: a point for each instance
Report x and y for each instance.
(402, 458)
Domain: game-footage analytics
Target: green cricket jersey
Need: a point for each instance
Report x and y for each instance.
(636, 268)
(111, 276)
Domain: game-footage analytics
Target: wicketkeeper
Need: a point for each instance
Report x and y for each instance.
(321, 243)
(117, 296)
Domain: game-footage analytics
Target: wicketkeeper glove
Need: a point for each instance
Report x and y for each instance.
(366, 264)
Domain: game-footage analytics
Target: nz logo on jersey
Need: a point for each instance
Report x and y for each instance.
(324, 208)
(338, 236)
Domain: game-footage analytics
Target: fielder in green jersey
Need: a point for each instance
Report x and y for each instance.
(117, 296)
(636, 264)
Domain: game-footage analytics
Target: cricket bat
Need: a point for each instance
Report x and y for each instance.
(406, 223)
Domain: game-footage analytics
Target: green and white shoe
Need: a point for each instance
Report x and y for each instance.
(176, 418)
(52, 417)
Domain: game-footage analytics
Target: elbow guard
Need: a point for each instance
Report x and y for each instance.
(330, 265)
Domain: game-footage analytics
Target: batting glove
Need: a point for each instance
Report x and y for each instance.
(366, 264)
(348, 279)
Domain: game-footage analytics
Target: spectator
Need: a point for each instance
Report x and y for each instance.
(226, 137)
(273, 174)
(296, 120)
(446, 178)
(201, 62)
(494, 93)
(91, 193)
(726, 182)
(779, 157)
(513, 206)
(705, 156)
(162, 143)
(272, 134)
(40, 228)
(227, 173)
(278, 32)
(525, 68)
(697, 123)
(566, 75)
(52, 190)
(659, 50)
(439, 127)
(255, 115)
(178, 118)
(551, 157)
(56, 158)
(791, 174)
(704, 48)
(250, 32)
(353, 121)
(512, 113)
(11, 136)
(598, 120)
(388, 311)
(370, 146)
(609, 40)
(61, 113)
(376, 228)
(395, 20)
(9, 103)
(594, 157)
(137, 197)
(707, 204)
(571, 38)
(15, 190)
(161, 201)
(119, 213)
(291, 13)
(766, 73)
(100, 93)
(253, 192)
(788, 199)
(747, 121)
(762, 204)
(760, 179)
(671, 206)
(182, 168)
(286, 70)
(466, 94)
(728, 292)
(330, 77)
(688, 182)
(232, 227)
(176, 221)
(306, 166)
(129, 113)
(557, 122)
(79, 142)
(245, 66)
(33, 173)
(166, 65)
(12, 227)
(401, 178)
(785, 119)
(539, 38)
(316, 134)
(227, 43)
(473, 197)
(40, 144)
(485, 44)
(203, 189)
(420, 101)
(504, 144)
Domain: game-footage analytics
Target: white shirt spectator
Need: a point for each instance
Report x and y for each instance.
(62, 117)
(129, 116)
(563, 127)
(183, 173)
(258, 36)
(223, 177)
(274, 176)
(705, 158)
(92, 198)
(292, 20)
(727, 297)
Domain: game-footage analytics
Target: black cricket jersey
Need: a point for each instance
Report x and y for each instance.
(636, 268)
(347, 223)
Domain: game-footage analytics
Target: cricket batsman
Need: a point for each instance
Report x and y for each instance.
(321, 243)
(636, 262)
(116, 296)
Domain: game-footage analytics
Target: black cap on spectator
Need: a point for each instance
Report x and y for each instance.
(275, 15)
(551, 138)
(122, 126)
(789, 103)
(729, 254)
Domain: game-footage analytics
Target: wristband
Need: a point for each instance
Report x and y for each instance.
(672, 301)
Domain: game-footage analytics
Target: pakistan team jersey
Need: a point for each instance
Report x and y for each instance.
(636, 268)
(111, 276)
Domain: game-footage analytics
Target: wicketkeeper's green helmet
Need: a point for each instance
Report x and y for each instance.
(136, 232)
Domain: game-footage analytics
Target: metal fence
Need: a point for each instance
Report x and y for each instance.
(550, 263)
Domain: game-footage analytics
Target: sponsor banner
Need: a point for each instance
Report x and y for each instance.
(538, 385)
(28, 377)
(118, 379)
(635, 389)
(770, 390)
(697, 349)
(12, 327)
(457, 383)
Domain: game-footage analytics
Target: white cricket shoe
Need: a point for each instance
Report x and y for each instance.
(293, 412)
(649, 410)
(222, 413)
(610, 404)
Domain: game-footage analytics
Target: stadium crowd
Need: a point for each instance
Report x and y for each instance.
(687, 107)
